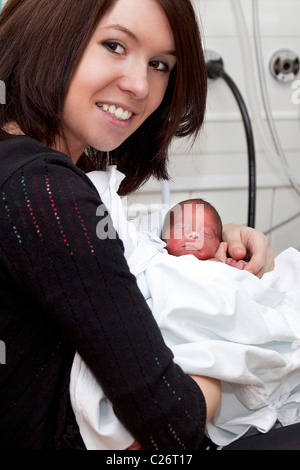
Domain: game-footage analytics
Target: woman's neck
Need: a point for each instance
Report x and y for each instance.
(60, 143)
(13, 128)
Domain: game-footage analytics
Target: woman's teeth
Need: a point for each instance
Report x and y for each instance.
(118, 113)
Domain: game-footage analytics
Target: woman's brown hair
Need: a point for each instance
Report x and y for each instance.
(41, 43)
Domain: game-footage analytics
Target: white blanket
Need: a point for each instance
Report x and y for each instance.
(219, 322)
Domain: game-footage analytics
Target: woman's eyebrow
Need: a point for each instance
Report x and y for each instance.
(124, 30)
(133, 36)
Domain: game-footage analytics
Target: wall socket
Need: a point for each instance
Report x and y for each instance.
(284, 65)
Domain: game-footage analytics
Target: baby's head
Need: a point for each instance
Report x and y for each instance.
(192, 227)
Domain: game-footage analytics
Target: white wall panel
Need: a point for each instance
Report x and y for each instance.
(217, 164)
(286, 205)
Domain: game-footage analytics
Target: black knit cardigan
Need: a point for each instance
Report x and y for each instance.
(62, 290)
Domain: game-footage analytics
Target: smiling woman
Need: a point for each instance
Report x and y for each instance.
(39, 90)
(89, 82)
(86, 78)
(124, 71)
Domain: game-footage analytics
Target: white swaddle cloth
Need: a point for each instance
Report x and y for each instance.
(219, 322)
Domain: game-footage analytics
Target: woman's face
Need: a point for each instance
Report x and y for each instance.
(121, 78)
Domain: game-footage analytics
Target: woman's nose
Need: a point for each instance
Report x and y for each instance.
(135, 81)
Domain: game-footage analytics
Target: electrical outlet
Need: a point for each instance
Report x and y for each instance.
(213, 56)
(284, 65)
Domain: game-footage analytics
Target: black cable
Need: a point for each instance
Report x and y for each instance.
(215, 69)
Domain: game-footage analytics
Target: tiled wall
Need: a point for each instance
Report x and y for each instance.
(216, 168)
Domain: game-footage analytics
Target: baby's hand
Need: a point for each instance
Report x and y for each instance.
(239, 264)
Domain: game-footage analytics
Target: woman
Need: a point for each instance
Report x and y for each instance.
(88, 83)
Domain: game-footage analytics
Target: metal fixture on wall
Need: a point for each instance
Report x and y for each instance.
(284, 65)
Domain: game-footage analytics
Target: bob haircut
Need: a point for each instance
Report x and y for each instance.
(42, 42)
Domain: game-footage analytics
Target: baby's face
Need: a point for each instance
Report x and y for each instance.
(192, 232)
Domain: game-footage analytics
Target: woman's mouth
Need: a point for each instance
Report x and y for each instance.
(115, 111)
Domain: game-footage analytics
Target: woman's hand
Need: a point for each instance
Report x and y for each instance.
(246, 242)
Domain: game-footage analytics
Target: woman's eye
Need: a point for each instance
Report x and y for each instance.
(114, 47)
(159, 65)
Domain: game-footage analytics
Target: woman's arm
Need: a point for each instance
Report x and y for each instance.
(211, 389)
(247, 242)
(78, 281)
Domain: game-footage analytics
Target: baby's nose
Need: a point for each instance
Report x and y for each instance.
(193, 235)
